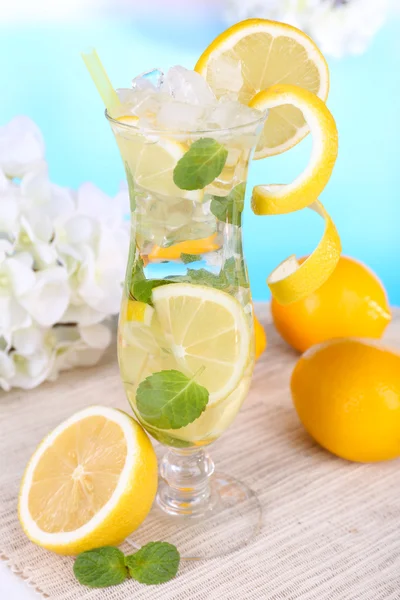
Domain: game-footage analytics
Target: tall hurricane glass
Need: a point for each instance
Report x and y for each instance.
(185, 339)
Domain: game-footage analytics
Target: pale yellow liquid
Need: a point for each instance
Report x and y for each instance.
(147, 353)
(164, 219)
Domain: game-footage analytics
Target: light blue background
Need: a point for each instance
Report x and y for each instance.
(43, 76)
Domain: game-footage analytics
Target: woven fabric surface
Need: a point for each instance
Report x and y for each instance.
(330, 528)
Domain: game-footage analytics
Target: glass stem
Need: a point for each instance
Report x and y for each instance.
(185, 488)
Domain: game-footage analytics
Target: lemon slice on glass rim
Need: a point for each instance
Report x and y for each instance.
(255, 54)
(279, 70)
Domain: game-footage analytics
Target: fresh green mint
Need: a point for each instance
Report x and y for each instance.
(142, 290)
(229, 208)
(200, 165)
(101, 567)
(157, 562)
(234, 273)
(189, 258)
(170, 400)
(154, 563)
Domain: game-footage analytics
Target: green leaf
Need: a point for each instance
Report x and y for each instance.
(229, 208)
(204, 277)
(156, 562)
(234, 273)
(170, 400)
(189, 258)
(101, 567)
(200, 165)
(142, 289)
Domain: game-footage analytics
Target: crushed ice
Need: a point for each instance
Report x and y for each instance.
(182, 100)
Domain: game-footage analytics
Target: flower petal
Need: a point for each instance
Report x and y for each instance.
(96, 336)
(21, 146)
(27, 341)
(7, 371)
(82, 314)
(32, 371)
(49, 298)
(20, 277)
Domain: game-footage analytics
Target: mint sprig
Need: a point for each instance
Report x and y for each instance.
(143, 289)
(189, 258)
(101, 567)
(229, 208)
(154, 563)
(200, 165)
(170, 400)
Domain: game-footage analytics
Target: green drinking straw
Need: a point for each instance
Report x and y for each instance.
(101, 80)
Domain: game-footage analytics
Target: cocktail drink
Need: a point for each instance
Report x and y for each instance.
(185, 337)
(186, 312)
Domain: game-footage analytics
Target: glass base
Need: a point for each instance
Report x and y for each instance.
(232, 520)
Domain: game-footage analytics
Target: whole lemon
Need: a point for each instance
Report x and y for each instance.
(260, 337)
(351, 303)
(347, 395)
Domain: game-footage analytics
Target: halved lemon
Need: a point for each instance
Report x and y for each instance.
(90, 483)
(262, 53)
(205, 328)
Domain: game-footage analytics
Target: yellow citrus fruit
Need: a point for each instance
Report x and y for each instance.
(255, 54)
(260, 337)
(279, 199)
(351, 303)
(90, 483)
(347, 395)
(206, 328)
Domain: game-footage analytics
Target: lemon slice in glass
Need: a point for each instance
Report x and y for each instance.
(205, 328)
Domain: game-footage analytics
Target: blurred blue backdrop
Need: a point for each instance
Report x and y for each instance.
(44, 77)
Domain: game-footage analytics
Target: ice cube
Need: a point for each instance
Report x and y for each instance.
(126, 96)
(231, 114)
(180, 116)
(149, 80)
(226, 76)
(188, 86)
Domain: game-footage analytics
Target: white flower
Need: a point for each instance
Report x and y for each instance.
(339, 27)
(21, 146)
(47, 300)
(16, 280)
(62, 264)
(79, 346)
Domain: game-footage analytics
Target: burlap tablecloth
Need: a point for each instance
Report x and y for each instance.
(331, 529)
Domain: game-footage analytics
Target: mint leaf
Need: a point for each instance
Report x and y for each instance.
(200, 165)
(170, 400)
(204, 277)
(101, 567)
(189, 258)
(156, 562)
(229, 208)
(142, 289)
(234, 273)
